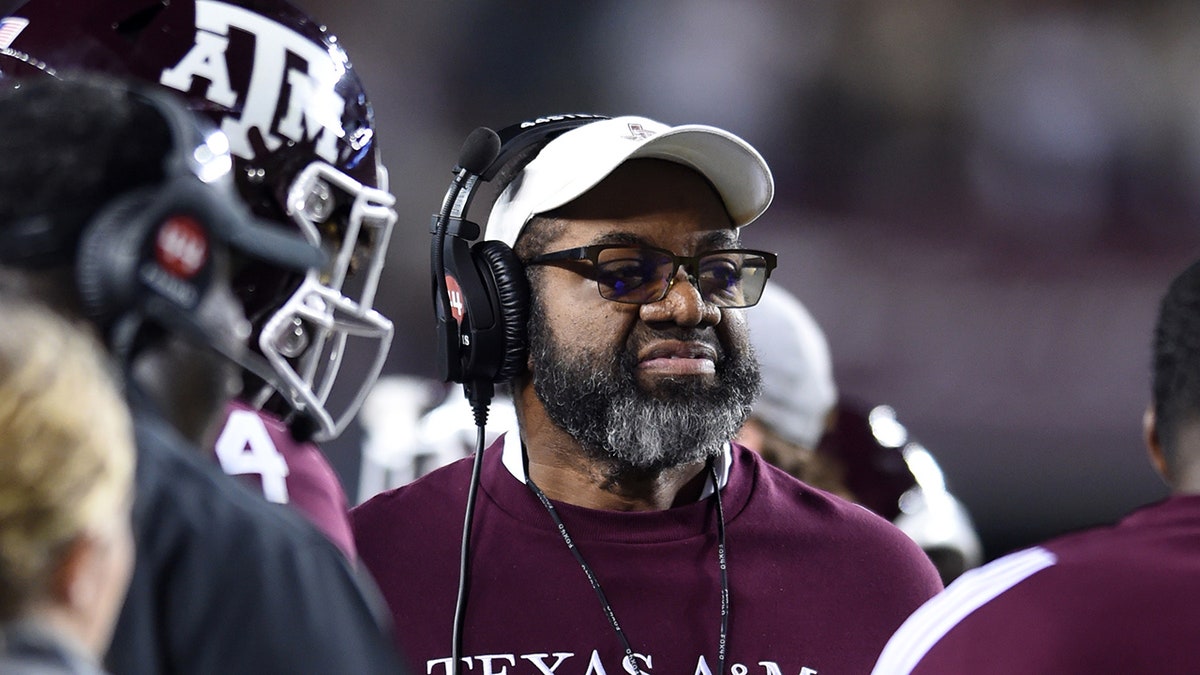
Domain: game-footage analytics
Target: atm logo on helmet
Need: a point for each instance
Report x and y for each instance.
(310, 109)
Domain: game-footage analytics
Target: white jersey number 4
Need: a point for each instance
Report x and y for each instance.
(244, 447)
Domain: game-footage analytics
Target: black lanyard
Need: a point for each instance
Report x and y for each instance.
(608, 610)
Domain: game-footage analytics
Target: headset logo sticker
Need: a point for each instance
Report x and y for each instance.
(181, 247)
(457, 308)
(637, 132)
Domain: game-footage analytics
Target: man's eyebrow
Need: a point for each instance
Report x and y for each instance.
(621, 238)
(720, 239)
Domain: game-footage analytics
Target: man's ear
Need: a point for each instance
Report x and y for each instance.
(1153, 443)
(72, 584)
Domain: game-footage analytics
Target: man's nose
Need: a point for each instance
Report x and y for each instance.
(683, 304)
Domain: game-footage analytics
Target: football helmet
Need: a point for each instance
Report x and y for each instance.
(886, 470)
(302, 135)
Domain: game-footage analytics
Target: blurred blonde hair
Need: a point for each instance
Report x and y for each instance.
(66, 447)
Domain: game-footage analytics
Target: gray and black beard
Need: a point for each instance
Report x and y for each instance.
(596, 399)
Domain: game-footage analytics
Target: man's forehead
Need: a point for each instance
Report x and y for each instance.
(698, 240)
(644, 202)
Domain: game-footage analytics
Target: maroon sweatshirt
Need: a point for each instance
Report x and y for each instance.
(1116, 599)
(817, 584)
(258, 448)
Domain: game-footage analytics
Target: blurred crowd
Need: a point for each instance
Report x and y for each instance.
(1082, 116)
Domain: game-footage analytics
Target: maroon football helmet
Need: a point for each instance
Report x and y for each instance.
(885, 469)
(302, 135)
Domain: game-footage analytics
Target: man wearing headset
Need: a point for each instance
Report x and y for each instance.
(619, 529)
(116, 210)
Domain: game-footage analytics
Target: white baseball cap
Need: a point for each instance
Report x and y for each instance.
(577, 160)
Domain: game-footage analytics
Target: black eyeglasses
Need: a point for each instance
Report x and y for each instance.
(643, 274)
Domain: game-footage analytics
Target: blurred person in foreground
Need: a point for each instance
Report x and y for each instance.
(66, 486)
(305, 156)
(602, 523)
(117, 208)
(842, 445)
(1118, 598)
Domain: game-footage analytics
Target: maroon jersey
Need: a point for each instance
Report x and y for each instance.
(817, 584)
(1116, 599)
(259, 449)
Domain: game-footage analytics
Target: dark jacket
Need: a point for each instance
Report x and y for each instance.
(226, 582)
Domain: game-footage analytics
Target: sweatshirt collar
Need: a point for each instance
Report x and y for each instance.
(511, 457)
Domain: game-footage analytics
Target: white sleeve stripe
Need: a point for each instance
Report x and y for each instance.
(921, 631)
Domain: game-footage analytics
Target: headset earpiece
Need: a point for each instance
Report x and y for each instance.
(481, 295)
(504, 276)
(150, 242)
(149, 253)
(111, 248)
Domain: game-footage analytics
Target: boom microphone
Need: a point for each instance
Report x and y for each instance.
(479, 150)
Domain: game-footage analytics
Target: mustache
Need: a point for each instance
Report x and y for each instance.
(643, 336)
